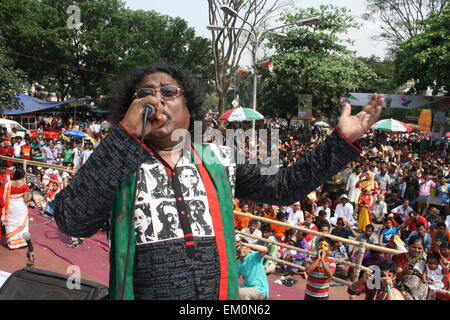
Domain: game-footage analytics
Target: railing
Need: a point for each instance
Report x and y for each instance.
(37, 164)
(362, 247)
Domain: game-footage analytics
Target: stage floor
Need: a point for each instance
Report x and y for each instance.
(52, 254)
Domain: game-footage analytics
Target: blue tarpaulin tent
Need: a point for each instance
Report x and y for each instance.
(32, 104)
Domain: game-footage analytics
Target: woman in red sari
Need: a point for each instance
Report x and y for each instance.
(15, 211)
(365, 206)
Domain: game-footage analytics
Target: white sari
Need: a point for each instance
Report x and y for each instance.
(14, 218)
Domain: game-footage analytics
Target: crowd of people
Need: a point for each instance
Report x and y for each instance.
(38, 184)
(395, 196)
(382, 199)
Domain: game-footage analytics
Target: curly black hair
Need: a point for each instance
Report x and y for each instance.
(128, 81)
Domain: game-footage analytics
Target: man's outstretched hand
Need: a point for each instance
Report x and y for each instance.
(353, 127)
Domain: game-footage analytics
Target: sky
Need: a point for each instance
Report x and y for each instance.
(195, 12)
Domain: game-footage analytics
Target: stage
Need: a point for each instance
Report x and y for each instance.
(52, 254)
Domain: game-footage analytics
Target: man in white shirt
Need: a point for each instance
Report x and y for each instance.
(384, 180)
(325, 207)
(379, 209)
(402, 211)
(343, 209)
(253, 230)
(86, 153)
(295, 214)
(17, 147)
(76, 157)
(353, 192)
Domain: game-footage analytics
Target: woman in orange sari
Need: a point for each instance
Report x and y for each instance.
(15, 211)
(365, 206)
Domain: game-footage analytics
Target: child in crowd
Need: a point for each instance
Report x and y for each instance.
(253, 230)
(320, 270)
(444, 251)
(436, 273)
(386, 290)
(294, 256)
(310, 225)
(278, 230)
(338, 251)
(324, 228)
(288, 254)
(269, 265)
(388, 232)
(288, 234)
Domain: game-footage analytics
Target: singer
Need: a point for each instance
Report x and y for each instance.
(176, 259)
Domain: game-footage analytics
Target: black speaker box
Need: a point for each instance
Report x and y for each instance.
(37, 284)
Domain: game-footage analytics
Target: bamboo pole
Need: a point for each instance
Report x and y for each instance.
(37, 164)
(357, 270)
(335, 279)
(320, 234)
(311, 253)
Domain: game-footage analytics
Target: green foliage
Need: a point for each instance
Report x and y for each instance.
(111, 37)
(383, 82)
(313, 61)
(11, 83)
(425, 57)
(400, 19)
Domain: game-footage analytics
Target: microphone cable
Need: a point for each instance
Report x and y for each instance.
(130, 229)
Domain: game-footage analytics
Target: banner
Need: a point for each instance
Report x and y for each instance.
(437, 131)
(393, 100)
(304, 107)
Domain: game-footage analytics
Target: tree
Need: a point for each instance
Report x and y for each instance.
(312, 60)
(12, 82)
(400, 19)
(383, 82)
(226, 45)
(84, 61)
(425, 57)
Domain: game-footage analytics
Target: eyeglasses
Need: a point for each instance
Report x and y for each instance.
(166, 92)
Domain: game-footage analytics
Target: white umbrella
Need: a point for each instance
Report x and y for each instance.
(321, 124)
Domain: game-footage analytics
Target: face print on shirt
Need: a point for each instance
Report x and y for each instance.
(143, 224)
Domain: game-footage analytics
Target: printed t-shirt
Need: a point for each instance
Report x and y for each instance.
(388, 233)
(26, 151)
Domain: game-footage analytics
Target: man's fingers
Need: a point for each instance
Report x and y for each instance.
(347, 110)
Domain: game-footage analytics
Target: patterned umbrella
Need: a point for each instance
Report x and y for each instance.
(391, 125)
(241, 114)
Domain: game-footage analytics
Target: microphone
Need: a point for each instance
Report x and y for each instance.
(30, 253)
(26, 236)
(152, 112)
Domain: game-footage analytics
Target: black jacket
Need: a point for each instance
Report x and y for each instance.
(82, 207)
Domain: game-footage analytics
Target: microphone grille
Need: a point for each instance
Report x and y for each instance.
(26, 236)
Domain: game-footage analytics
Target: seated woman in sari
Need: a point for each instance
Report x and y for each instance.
(365, 205)
(48, 210)
(15, 211)
(411, 270)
